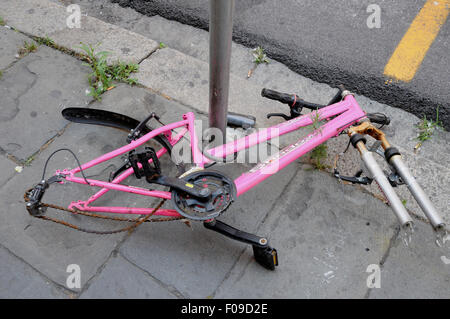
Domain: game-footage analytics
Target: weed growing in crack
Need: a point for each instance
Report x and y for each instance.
(427, 128)
(29, 160)
(102, 76)
(121, 71)
(260, 56)
(45, 41)
(318, 155)
(27, 48)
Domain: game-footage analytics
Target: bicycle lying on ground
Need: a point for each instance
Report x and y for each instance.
(203, 194)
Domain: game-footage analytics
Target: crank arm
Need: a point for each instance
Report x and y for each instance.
(183, 186)
(235, 233)
(264, 254)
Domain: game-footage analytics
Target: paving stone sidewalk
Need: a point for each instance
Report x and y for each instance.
(326, 233)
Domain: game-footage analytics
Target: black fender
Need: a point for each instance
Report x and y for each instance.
(111, 119)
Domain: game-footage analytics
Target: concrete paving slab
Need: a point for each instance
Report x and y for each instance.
(178, 36)
(173, 34)
(326, 235)
(139, 102)
(36, 17)
(50, 248)
(279, 77)
(6, 170)
(123, 280)
(34, 91)
(417, 271)
(186, 79)
(19, 280)
(11, 43)
(48, 19)
(122, 44)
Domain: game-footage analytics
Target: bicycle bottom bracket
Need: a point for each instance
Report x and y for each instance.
(222, 194)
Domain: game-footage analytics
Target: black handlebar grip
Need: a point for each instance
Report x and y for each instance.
(277, 96)
(379, 118)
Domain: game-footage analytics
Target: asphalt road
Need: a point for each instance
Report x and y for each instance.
(331, 42)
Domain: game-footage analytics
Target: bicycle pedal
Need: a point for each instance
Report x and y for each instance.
(266, 256)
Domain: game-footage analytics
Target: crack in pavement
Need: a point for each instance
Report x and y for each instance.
(170, 288)
(58, 286)
(385, 256)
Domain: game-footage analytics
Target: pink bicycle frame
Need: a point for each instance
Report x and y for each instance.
(345, 114)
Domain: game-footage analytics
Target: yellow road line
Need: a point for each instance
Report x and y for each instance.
(409, 54)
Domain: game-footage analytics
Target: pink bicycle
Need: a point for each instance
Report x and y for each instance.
(202, 194)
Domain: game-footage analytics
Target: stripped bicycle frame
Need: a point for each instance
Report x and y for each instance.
(345, 113)
(339, 117)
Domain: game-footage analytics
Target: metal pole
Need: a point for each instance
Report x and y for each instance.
(220, 34)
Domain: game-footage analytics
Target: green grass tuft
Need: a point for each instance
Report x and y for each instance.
(102, 76)
(319, 154)
(27, 48)
(427, 128)
(260, 56)
(45, 41)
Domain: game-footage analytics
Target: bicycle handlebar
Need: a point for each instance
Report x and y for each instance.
(297, 103)
(278, 96)
(379, 118)
(293, 100)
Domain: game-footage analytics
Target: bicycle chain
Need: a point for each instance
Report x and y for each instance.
(137, 221)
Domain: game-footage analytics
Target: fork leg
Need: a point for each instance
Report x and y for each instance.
(417, 191)
(378, 175)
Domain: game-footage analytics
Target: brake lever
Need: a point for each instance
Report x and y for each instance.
(357, 179)
(284, 116)
(295, 112)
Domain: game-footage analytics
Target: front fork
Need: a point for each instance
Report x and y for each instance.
(394, 159)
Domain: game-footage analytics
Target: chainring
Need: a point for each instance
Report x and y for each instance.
(223, 193)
